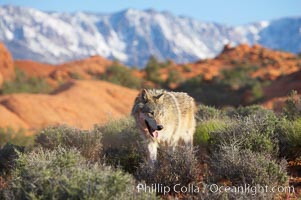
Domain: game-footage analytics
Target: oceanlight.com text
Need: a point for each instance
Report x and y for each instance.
(249, 189)
(213, 188)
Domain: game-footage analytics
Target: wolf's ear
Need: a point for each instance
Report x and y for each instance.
(159, 98)
(144, 95)
(160, 95)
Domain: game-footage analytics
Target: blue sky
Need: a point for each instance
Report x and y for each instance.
(231, 12)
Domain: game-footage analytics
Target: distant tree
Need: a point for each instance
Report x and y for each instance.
(121, 75)
(152, 70)
(187, 68)
(290, 109)
(174, 77)
(166, 64)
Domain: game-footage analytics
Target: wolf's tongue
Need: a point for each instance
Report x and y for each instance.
(155, 134)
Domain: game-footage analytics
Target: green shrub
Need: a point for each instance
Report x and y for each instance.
(256, 133)
(204, 130)
(207, 112)
(213, 93)
(122, 144)
(75, 75)
(8, 155)
(291, 110)
(239, 76)
(246, 152)
(242, 166)
(121, 75)
(192, 84)
(290, 138)
(64, 174)
(172, 167)
(25, 84)
(252, 110)
(9, 135)
(257, 92)
(87, 142)
(225, 89)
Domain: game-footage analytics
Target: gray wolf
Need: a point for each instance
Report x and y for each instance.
(164, 118)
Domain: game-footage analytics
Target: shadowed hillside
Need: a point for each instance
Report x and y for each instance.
(277, 91)
(283, 85)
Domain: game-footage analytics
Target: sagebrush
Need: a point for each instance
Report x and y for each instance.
(65, 174)
(88, 142)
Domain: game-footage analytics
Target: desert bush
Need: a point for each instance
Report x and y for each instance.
(205, 128)
(75, 75)
(24, 84)
(257, 92)
(207, 112)
(239, 76)
(172, 167)
(243, 166)
(192, 83)
(87, 142)
(17, 137)
(246, 152)
(65, 174)
(225, 89)
(291, 110)
(122, 144)
(252, 110)
(121, 75)
(8, 155)
(256, 133)
(213, 93)
(240, 80)
(289, 134)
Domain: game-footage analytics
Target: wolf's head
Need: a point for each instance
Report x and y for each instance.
(149, 111)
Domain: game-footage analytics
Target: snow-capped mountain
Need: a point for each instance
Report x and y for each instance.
(132, 36)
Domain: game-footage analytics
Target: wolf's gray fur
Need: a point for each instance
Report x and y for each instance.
(164, 118)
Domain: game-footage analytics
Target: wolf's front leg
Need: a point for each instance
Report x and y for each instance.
(152, 152)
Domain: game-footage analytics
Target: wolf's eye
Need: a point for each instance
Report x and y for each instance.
(152, 113)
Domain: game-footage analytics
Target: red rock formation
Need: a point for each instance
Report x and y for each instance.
(10, 119)
(77, 103)
(35, 69)
(7, 71)
(270, 63)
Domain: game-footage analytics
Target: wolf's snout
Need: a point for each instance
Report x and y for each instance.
(159, 127)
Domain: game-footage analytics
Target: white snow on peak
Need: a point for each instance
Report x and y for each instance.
(132, 36)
